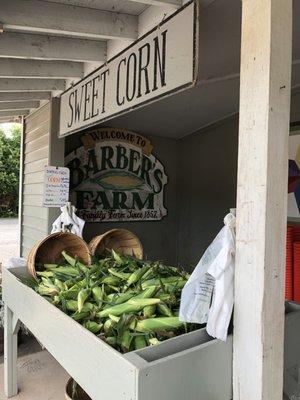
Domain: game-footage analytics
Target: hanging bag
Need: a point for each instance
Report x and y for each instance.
(197, 293)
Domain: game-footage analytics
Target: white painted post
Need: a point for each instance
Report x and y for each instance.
(262, 199)
(11, 328)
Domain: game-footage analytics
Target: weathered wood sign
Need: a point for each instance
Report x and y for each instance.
(115, 177)
(157, 64)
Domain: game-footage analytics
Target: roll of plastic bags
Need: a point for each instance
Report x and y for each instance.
(68, 221)
(196, 295)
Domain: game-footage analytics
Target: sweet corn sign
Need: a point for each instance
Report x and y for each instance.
(158, 64)
(114, 176)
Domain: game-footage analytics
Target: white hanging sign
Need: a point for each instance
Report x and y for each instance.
(157, 64)
(56, 186)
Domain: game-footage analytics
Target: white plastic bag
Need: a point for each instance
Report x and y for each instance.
(223, 296)
(197, 293)
(69, 221)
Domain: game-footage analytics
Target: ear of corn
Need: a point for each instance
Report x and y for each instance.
(98, 295)
(126, 340)
(149, 311)
(140, 342)
(50, 266)
(126, 302)
(93, 326)
(131, 306)
(82, 297)
(154, 341)
(147, 293)
(157, 324)
(163, 309)
(137, 275)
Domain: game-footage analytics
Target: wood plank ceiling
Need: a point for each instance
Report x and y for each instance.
(47, 45)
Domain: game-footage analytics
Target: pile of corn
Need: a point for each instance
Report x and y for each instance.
(128, 303)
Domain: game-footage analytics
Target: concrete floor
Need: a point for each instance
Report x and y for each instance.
(9, 239)
(40, 378)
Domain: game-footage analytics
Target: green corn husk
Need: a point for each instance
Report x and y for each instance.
(148, 274)
(56, 300)
(111, 297)
(117, 257)
(163, 309)
(68, 258)
(82, 297)
(120, 298)
(113, 288)
(82, 267)
(131, 306)
(118, 274)
(60, 284)
(154, 341)
(149, 311)
(48, 282)
(70, 294)
(114, 318)
(98, 295)
(47, 291)
(126, 340)
(137, 275)
(72, 305)
(45, 274)
(111, 340)
(157, 324)
(158, 281)
(67, 271)
(108, 325)
(50, 266)
(111, 280)
(93, 326)
(171, 288)
(79, 316)
(140, 342)
(147, 293)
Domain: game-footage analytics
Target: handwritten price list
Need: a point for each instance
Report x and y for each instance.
(56, 186)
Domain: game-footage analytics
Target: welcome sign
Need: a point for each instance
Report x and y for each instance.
(115, 177)
(158, 64)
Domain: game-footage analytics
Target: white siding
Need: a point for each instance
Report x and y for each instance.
(41, 147)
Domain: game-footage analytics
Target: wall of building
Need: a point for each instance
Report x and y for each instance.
(207, 169)
(40, 148)
(159, 238)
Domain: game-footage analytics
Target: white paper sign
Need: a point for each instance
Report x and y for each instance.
(159, 63)
(56, 186)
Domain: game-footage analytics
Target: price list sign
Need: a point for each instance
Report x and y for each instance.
(56, 186)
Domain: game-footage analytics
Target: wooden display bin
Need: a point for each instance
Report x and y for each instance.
(192, 363)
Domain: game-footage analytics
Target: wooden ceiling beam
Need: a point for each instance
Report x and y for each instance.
(13, 113)
(21, 68)
(24, 96)
(18, 105)
(60, 19)
(44, 47)
(177, 3)
(31, 85)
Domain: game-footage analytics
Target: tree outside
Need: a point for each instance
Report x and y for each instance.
(10, 142)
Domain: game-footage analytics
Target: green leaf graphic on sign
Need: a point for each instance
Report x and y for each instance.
(117, 180)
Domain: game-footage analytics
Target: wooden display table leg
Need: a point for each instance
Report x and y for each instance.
(11, 327)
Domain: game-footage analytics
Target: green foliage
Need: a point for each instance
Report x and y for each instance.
(9, 171)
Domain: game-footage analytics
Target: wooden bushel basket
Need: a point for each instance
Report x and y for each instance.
(122, 241)
(78, 395)
(49, 249)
